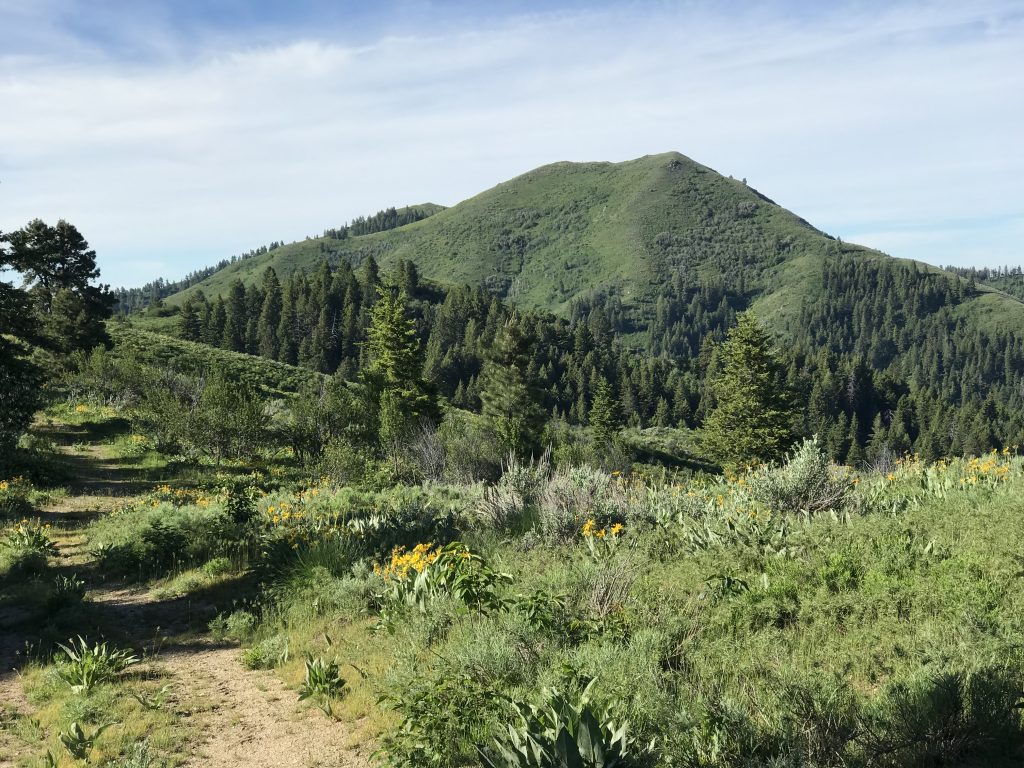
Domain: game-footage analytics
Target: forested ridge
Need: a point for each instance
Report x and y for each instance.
(881, 358)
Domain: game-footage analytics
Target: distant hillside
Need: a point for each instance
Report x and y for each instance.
(131, 300)
(580, 233)
(631, 272)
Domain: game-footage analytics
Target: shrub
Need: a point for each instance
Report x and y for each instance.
(443, 718)
(67, 590)
(562, 734)
(139, 757)
(268, 653)
(509, 504)
(78, 743)
(27, 547)
(575, 495)
(945, 719)
(322, 682)
(450, 571)
(86, 666)
(237, 626)
(14, 497)
(808, 482)
(472, 452)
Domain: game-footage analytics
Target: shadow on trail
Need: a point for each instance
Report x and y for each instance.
(86, 432)
(119, 612)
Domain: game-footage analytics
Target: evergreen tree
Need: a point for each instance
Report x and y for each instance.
(510, 402)
(395, 371)
(605, 416)
(235, 322)
(752, 420)
(267, 339)
(190, 324)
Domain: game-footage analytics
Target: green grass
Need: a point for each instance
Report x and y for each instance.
(849, 620)
(567, 230)
(162, 351)
(724, 622)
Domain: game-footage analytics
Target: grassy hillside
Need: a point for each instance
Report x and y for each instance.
(160, 350)
(573, 230)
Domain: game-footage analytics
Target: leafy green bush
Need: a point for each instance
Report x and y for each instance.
(946, 719)
(15, 498)
(67, 590)
(268, 653)
(453, 570)
(322, 682)
(85, 666)
(78, 743)
(26, 548)
(511, 503)
(139, 756)
(237, 626)
(157, 538)
(563, 734)
(443, 718)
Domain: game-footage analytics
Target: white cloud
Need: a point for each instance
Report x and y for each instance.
(875, 124)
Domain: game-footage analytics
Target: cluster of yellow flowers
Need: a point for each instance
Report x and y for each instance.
(590, 529)
(403, 561)
(165, 494)
(101, 411)
(180, 496)
(32, 529)
(946, 474)
(993, 468)
(16, 485)
(282, 513)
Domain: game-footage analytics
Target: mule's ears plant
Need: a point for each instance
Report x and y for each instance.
(153, 702)
(452, 570)
(78, 743)
(85, 666)
(562, 734)
(323, 681)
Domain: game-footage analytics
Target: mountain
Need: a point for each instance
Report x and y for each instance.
(575, 231)
(626, 271)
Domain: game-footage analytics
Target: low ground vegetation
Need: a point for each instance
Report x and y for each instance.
(800, 614)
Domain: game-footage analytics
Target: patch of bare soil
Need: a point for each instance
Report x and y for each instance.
(252, 719)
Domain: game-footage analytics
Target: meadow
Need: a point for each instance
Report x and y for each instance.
(800, 614)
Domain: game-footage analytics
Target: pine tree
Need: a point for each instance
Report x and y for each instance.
(395, 371)
(267, 339)
(511, 403)
(190, 324)
(605, 416)
(234, 328)
(218, 319)
(752, 420)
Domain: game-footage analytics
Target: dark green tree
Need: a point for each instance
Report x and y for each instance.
(752, 421)
(395, 371)
(190, 323)
(267, 339)
(510, 400)
(58, 271)
(605, 416)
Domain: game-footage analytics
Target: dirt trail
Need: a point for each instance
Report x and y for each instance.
(243, 717)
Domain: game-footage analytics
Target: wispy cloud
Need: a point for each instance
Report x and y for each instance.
(898, 126)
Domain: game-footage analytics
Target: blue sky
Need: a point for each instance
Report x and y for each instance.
(175, 134)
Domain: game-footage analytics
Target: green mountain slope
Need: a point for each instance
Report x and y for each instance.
(577, 231)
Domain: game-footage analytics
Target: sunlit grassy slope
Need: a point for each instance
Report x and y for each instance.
(569, 230)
